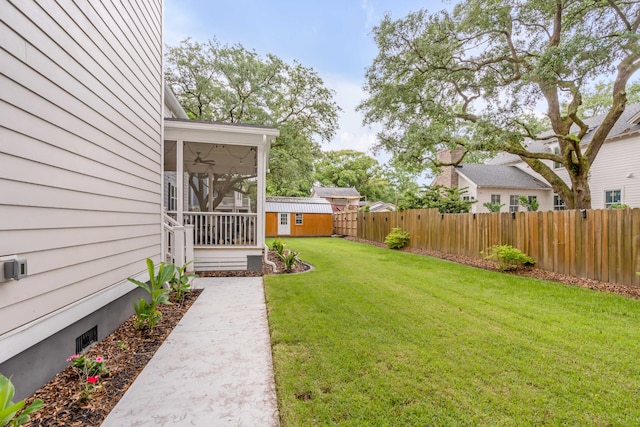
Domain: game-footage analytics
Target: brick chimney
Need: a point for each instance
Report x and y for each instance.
(448, 177)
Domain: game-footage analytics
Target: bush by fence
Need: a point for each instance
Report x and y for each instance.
(596, 244)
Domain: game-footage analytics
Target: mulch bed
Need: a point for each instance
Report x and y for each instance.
(126, 352)
(537, 273)
(266, 269)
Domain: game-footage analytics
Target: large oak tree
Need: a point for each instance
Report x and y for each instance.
(472, 77)
(232, 84)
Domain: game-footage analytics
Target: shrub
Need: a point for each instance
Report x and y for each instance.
(289, 259)
(618, 206)
(278, 246)
(397, 239)
(147, 314)
(508, 257)
(9, 410)
(181, 283)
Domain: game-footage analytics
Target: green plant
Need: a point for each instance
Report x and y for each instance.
(147, 313)
(531, 203)
(181, 283)
(397, 239)
(508, 257)
(278, 246)
(618, 206)
(9, 410)
(87, 366)
(146, 316)
(122, 345)
(493, 207)
(289, 259)
(90, 371)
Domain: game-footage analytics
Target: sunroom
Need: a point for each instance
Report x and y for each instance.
(214, 186)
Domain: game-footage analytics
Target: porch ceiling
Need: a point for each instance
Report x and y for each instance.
(215, 148)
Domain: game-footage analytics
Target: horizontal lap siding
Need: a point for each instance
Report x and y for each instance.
(80, 148)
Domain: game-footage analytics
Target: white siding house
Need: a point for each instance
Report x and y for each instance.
(502, 185)
(614, 177)
(80, 172)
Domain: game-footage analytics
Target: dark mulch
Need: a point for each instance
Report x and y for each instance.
(266, 269)
(126, 352)
(628, 291)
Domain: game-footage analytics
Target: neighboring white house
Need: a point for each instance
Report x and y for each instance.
(341, 198)
(614, 177)
(84, 148)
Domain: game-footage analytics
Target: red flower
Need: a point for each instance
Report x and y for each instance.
(93, 380)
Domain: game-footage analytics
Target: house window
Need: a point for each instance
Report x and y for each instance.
(495, 199)
(172, 204)
(284, 218)
(556, 165)
(612, 197)
(514, 203)
(298, 219)
(558, 203)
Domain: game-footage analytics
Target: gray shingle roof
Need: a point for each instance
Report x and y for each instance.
(297, 205)
(500, 176)
(336, 192)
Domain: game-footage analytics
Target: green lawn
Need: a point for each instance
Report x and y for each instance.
(384, 338)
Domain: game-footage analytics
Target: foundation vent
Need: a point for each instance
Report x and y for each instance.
(86, 339)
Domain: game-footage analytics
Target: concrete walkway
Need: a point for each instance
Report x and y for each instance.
(214, 369)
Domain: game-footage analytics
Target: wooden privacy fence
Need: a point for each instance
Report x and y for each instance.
(596, 244)
(345, 223)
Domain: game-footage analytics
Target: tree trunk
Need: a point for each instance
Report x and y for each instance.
(581, 192)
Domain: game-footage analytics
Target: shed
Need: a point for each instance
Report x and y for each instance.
(298, 216)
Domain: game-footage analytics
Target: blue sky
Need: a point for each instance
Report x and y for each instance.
(331, 36)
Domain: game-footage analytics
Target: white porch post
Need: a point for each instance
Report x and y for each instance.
(180, 181)
(262, 191)
(210, 185)
(179, 237)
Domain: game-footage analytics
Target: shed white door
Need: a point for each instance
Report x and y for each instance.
(284, 227)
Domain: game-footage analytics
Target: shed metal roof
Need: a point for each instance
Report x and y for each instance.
(297, 205)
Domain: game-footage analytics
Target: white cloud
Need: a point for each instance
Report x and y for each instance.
(369, 13)
(352, 134)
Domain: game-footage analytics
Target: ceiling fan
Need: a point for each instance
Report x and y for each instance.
(199, 160)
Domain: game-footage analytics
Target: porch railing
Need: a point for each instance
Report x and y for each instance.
(223, 228)
(177, 240)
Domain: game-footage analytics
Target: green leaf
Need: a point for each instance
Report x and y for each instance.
(6, 392)
(139, 283)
